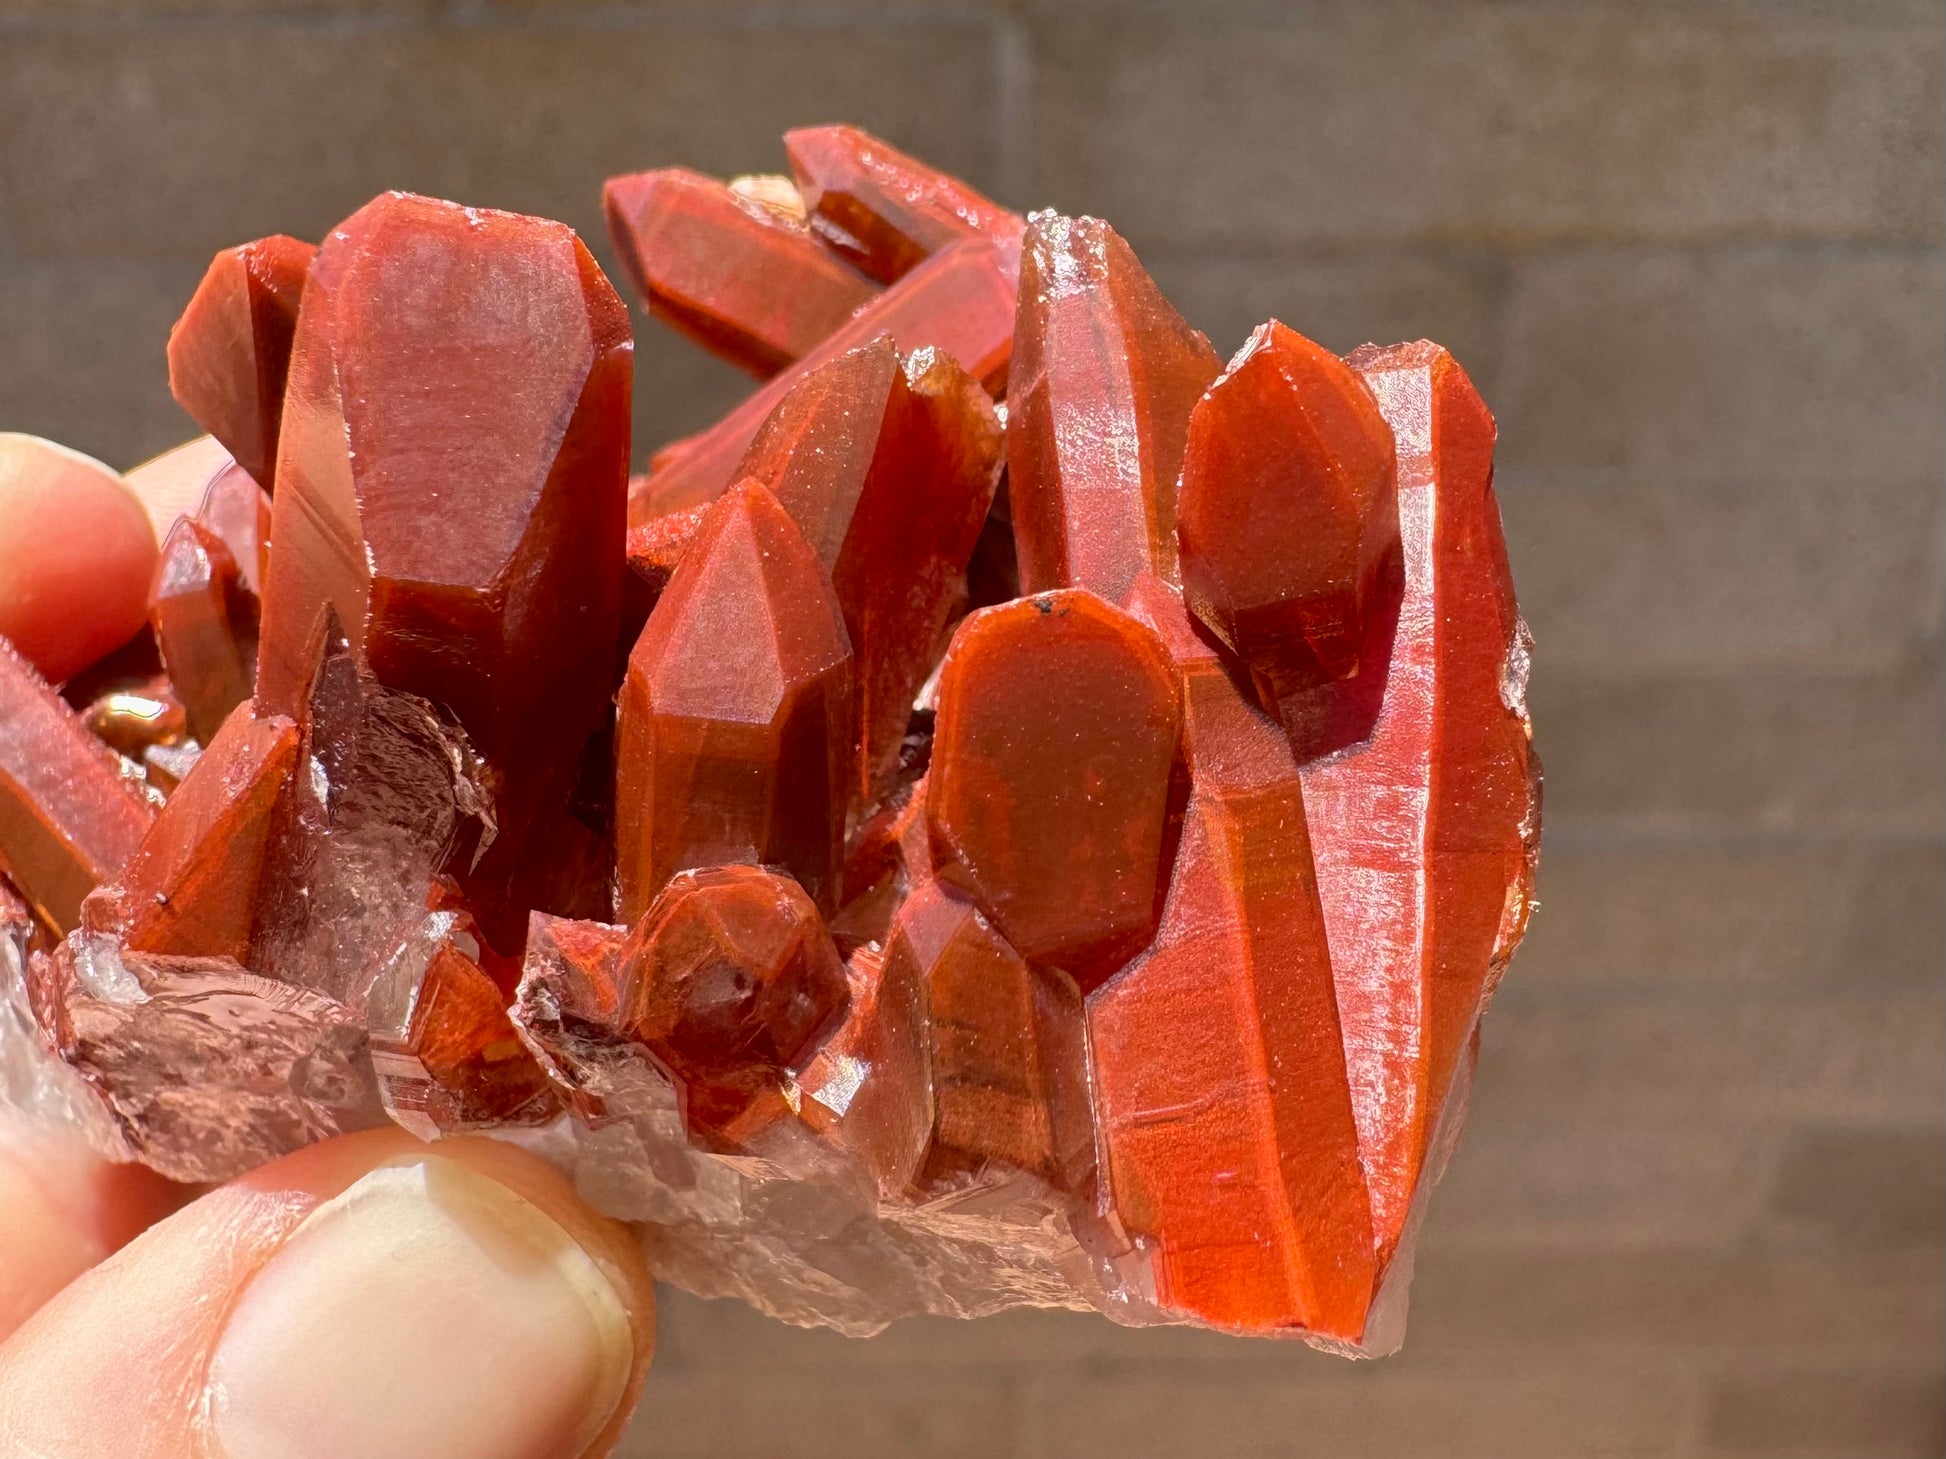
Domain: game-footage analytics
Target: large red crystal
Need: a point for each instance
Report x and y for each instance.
(883, 210)
(1290, 533)
(1218, 1067)
(69, 817)
(230, 353)
(1425, 833)
(1104, 378)
(451, 476)
(1048, 797)
(735, 741)
(960, 303)
(888, 468)
(738, 278)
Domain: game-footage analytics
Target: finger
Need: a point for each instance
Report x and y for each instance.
(62, 1209)
(370, 1295)
(76, 555)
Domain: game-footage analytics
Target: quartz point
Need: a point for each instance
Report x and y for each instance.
(1289, 516)
(742, 280)
(452, 475)
(1106, 374)
(1049, 795)
(191, 888)
(888, 467)
(1006, 1079)
(446, 1054)
(71, 811)
(735, 728)
(1235, 1150)
(1426, 833)
(883, 210)
(204, 619)
(230, 353)
(726, 981)
(960, 303)
(737, 836)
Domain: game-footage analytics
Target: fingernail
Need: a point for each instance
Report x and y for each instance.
(428, 1311)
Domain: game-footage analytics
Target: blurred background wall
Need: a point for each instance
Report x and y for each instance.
(1691, 253)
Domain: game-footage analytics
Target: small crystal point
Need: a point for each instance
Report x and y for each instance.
(742, 280)
(230, 353)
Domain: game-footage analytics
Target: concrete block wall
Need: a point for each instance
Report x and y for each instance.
(1692, 255)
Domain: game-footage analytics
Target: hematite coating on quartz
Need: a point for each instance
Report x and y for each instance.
(910, 852)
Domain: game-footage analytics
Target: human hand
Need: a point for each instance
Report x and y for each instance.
(371, 1295)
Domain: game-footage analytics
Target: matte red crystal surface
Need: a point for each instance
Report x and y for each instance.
(205, 624)
(734, 741)
(69, 816)
(888, 468)
(452, 475)
(960, 303)
(1233, 1146)
(1048, 797)
(230, 352)
(728, 978)
(1290, 529)
(1003, 1047)
(1425, 834)
(191, 887)
(883, 210)
(1098, 401)
(740, 279)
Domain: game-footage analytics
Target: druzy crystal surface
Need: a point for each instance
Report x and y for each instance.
(1017, 813)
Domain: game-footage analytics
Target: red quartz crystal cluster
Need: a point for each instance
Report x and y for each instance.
(1018, 812)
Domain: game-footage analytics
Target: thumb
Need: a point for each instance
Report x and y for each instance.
(369, 1295)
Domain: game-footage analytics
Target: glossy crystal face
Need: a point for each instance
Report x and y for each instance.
(1018, 813)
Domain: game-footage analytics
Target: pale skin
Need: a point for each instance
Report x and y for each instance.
(369, 1294)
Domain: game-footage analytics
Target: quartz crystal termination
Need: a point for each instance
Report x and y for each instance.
(909, 854)
(452, 468)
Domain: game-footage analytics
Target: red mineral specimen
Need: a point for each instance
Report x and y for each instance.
(1098, 404)
(230, 352)
(727, 981)
(960, 304)
(70, 814)
(1426, 833)
(204, 621)
(735, 736)
(1049, 794)
(447, 1056)
(451, 482)
(1007, 1080)
(888, 469)
(191, 888)
(236, 509)
(1289, 524)
(740, 279)
(1219, 1073)
(883, 210)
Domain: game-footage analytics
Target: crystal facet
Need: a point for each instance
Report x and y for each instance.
(71, 810)
(883, 210)
(735, 731)
(1048, 797)
(740, 279)
(1426, 833)
(1290, 533)
(230, 353)
(452, 475)
(888, 468)
(205, 625)
(960, 303)
(1098, 404)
